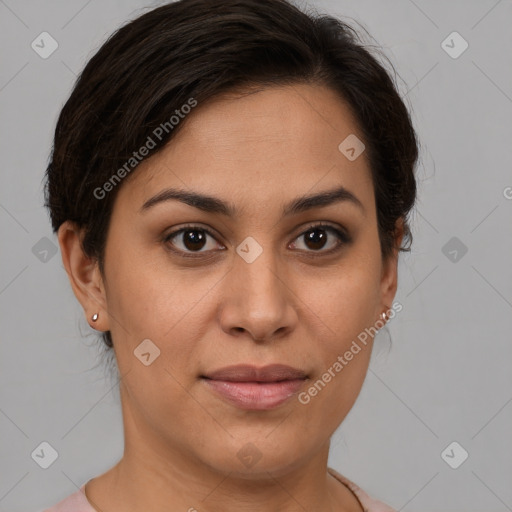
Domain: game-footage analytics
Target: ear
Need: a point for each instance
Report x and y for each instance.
(84, 276)
(389, 276)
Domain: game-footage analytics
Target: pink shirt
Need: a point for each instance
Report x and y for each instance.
(77, 502)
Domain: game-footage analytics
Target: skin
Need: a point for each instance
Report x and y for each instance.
(292, 305)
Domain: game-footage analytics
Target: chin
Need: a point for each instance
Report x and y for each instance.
(257, 454)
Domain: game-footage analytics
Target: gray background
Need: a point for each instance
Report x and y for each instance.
(445, 377)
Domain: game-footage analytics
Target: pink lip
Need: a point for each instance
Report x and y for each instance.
(249, 387)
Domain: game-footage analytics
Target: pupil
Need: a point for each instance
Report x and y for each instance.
(319, 240)
(194, 239)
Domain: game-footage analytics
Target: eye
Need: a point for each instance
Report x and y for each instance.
(190, 240)
(317, 238)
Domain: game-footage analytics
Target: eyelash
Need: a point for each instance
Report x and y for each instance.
(343, 239)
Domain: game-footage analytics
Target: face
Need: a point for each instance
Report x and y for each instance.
(255, 277)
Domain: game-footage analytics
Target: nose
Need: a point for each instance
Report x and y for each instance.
(259, 301)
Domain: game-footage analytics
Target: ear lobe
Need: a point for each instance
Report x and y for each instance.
(84, 275)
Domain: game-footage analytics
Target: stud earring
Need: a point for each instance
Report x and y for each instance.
(95, 317)
(384, 316)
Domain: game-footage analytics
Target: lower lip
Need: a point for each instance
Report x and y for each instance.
(256, 396)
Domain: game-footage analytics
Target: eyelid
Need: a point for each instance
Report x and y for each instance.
(323, 224)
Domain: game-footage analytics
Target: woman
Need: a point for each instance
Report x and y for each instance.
(230, 183)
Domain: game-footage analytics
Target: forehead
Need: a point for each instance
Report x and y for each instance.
(259, 147)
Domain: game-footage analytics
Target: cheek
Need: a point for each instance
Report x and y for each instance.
(149, 296)
(341, 312)
(345, 301)
(332, 392)
(149, 299)
(343, 349)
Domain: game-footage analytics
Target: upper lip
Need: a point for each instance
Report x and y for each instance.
(250, 373)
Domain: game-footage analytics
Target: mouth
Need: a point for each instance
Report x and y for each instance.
(251, 388)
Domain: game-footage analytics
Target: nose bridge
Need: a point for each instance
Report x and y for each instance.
(259, 300)
(257, 268)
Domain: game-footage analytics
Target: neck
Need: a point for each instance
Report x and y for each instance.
(156, 476)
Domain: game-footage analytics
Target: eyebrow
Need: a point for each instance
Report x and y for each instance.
(212, 204)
